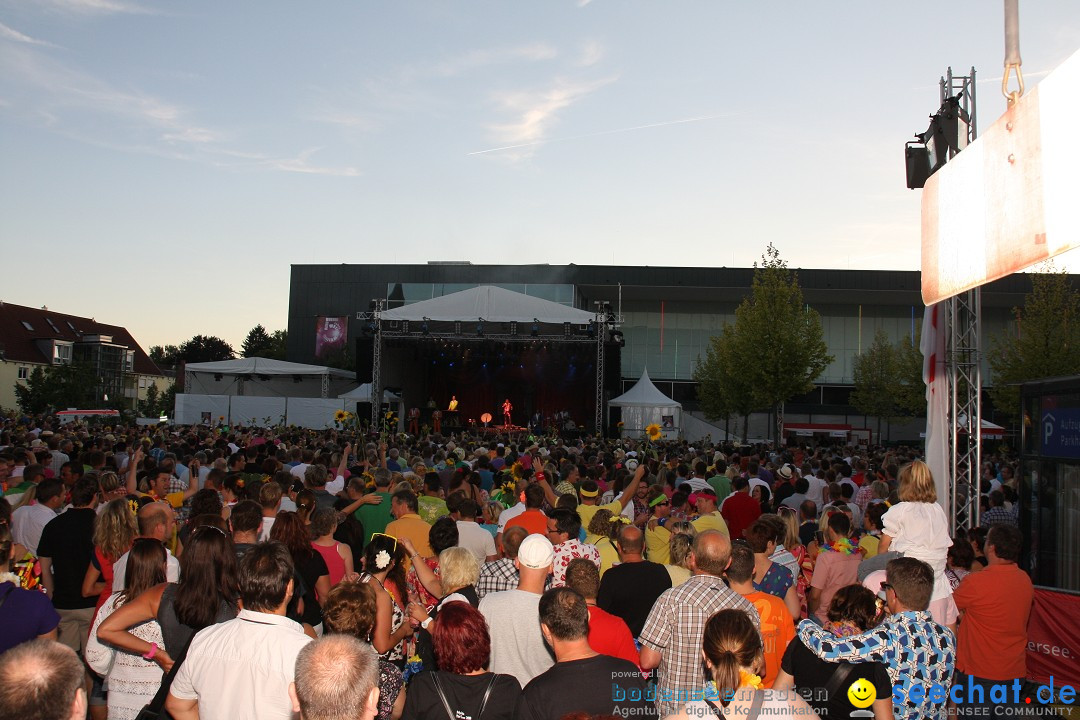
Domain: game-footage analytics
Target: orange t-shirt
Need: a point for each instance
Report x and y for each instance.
(533, 520)
(777, 630)
(992, 636)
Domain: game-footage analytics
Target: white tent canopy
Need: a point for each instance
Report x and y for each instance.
(492, 304)
(644, 405)
(264, 366)
(362, 394)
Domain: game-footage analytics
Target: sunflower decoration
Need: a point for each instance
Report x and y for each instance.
(653, 432)
(340, 415)
(504, 494)
(517, 470)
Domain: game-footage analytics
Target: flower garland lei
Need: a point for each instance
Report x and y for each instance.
(843, 546)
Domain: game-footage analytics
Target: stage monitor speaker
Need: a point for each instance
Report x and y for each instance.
(365, 348)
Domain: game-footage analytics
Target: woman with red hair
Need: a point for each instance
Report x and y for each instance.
(462, 685)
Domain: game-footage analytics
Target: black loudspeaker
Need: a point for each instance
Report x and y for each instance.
(365, 348)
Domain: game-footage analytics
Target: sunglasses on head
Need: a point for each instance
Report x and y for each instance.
(390, 537)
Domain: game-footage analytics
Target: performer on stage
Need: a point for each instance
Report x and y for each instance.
(436, 420)
(453, 403)
(414, 420)
(507, 407)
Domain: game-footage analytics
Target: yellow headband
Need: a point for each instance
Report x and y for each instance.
(589, 493)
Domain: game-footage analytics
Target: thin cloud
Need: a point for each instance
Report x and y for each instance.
(9, 33)
(88, 7)
(475, 59)
(592, 53)
(665, 123)
(76, 104)
(535, 112)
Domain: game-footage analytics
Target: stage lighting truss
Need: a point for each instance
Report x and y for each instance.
(951, 128)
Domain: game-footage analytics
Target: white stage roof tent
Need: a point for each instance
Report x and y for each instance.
(493, 304)
(644, 404)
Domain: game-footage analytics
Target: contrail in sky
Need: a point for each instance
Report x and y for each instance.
(605, 132)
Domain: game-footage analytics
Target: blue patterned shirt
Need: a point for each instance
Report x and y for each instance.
(914, 649)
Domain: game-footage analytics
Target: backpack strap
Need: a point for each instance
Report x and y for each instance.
(442, 695)
(487, 694)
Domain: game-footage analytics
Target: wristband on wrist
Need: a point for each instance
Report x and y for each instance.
(149, 654)
(426, 623)
(540, 477)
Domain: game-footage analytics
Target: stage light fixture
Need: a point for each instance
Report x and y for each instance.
(566, 330)
(513, 329)
(616, 336)
(218, 376)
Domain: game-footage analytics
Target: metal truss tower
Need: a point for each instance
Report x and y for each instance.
(963, 359)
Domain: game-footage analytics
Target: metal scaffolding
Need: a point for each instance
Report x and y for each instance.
(963, 359)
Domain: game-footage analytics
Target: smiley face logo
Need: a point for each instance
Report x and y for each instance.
(861, 694)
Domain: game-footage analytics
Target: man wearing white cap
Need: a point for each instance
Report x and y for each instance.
(513, 616)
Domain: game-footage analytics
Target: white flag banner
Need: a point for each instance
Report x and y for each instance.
(932, 346)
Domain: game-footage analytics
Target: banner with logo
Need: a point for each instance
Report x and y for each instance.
(330, 335)
(1054, 638)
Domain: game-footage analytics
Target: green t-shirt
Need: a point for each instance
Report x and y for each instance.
(722, 485)
(375, 518)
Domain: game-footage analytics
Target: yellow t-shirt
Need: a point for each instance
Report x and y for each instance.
(712, 521)
(586, 513)
(608, 554)
(869, 543)
(656, 544)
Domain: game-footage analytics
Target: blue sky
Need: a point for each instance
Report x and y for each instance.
(162, 164)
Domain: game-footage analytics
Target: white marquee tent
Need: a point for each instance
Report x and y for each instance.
(261, 391)
(644, 404)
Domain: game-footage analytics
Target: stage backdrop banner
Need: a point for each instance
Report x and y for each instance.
(330, 334)
(1054, 638)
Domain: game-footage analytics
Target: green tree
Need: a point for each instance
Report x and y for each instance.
(150, 406)
(911, 398)
(1045, 341)
(55, 387)
(278, 341)
(258, 343)
(205, 348)
(877, 380)
(165, 356)
(722, 387)
(167, 401)
(779, 334)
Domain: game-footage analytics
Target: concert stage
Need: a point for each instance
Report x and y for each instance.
(544, 377)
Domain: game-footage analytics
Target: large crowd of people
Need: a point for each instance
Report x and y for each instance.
(216, 572)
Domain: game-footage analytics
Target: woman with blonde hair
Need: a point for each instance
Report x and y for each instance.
(918, 528)
(114, 531)
(731, 647)
(112, 488)
(605, 527)
(679, 546)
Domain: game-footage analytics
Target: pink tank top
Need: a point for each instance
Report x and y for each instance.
(334, 562)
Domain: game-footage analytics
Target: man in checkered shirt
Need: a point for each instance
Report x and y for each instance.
(672, 636)
(997, 514)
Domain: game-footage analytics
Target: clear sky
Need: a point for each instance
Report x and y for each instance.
(163, 164)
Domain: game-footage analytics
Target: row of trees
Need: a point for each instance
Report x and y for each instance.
(210, 348)
(775, 350)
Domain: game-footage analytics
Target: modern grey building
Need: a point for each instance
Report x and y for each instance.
(669, 313)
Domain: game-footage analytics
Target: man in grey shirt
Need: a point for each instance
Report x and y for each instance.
(513, 616)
